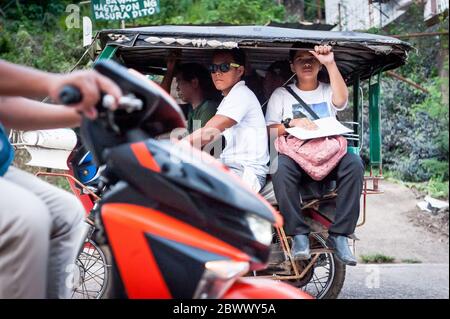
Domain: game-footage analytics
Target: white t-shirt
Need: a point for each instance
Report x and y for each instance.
(283, 105)
(246, 141)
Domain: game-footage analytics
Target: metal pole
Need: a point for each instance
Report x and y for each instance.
(319, 10)
(401, 78)
(340, 17)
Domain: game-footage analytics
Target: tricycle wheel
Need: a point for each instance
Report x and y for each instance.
(326, 278)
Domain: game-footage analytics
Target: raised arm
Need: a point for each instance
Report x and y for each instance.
(168, 77)
(324, 54)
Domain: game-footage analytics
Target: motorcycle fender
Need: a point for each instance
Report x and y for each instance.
(258, 288)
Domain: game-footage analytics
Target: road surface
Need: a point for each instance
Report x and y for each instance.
(397, 281)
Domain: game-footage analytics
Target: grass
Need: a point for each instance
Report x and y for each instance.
(60, 182)
(22, 156)
(434, 187)
(377, 259)
(411, 261)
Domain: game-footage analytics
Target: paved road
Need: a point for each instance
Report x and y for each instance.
(389, 229)
(397, 281)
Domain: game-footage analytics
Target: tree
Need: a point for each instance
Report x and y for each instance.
(215, 11)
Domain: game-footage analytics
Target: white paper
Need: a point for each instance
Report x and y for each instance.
(327, 126)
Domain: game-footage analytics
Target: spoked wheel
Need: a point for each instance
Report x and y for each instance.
(93, 273)
(325, 278)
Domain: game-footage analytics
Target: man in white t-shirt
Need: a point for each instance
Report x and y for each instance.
(239, 118)
(285, 111)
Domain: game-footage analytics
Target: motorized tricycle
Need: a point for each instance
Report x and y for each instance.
(359, 57)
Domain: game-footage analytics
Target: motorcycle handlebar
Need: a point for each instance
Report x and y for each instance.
(70, 95)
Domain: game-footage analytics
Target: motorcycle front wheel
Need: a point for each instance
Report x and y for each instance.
(93, 272)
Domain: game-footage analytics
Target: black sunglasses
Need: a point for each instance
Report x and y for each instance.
(223, 68)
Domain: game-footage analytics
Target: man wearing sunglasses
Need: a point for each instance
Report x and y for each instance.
(239, 118)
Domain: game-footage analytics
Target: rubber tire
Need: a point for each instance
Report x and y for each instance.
(114, 287)
(338, 280)
(339, 276)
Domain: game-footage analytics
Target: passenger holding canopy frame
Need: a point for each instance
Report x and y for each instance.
(285, 111)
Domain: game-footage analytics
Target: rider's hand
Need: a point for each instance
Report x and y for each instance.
(304, 123)
(91, 84)
(324, 54)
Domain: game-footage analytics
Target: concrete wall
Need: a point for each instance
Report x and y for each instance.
(434, 8)
(352, 15)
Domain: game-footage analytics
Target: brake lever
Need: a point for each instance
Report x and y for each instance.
(130, 103)
(70, 95)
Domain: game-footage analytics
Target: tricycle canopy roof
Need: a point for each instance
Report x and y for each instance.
(146, 49)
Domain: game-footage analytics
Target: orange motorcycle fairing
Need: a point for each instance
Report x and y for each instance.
(127, 226)
(144, 157)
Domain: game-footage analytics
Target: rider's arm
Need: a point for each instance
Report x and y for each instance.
(16, 80)
(211, 131)
(23, 114)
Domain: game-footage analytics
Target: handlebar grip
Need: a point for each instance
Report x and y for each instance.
(70, 95)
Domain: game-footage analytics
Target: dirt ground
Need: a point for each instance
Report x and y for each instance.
(395, 227)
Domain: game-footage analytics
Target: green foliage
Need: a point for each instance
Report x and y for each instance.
(437, 188)
(415, 132)
(33, 35)
(411, 261)
(435, 107)
(311, 9)
(415, 124)
(215, 11)
(433, 187)
(377, 259)
(437, 169)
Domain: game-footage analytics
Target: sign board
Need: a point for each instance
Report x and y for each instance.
(116, 10)
(87, 31)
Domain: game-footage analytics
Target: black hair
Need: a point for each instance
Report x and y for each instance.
(237, 54)
(191, 71)
(281, 69)
(299, 45)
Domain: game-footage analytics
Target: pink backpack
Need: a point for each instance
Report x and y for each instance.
(317, 157)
